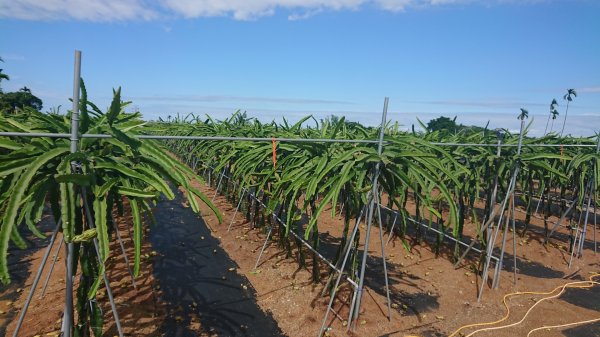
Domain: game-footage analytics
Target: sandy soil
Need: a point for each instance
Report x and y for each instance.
(140, 313)
(429, 296)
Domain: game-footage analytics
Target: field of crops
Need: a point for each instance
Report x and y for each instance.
(474, 189)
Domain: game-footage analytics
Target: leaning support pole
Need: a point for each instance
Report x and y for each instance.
(70, 247)
(580, 233)
(491, 243)
(337, 267)
(592, 184)
(36, 280)
(487, 223)
(595, 223)
(391, 234)
(236, 209)
(383, 257)
(218, 185)
(514, 231)
(346, 251)
(509, 195)
(109, 292)
(355, 309)
(509, 216)
(560, 220)
(43, 292)
(116, 227)
(264, 246)
(511, 213)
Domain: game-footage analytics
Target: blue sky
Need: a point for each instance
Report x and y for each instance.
(475, 59)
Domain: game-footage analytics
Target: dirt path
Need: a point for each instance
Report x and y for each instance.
(22, 263)
(199, 282)
(430, 298)
(181, 291)
(139, 310)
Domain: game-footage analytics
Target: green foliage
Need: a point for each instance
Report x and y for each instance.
(310, 178)
(442, 123)
(85, 189)
(23, 98)
(571, 93)
(444, 183)
(3, 76)
(445, 124)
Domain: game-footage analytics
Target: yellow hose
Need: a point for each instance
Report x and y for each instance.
(548, 327)
(578, 284)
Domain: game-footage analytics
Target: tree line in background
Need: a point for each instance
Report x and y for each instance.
(446, 124)
(18, 99)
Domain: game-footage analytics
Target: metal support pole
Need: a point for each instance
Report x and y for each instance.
(109, 293)
(514, 231)
(36, 280)
(60, 243)
(495, 282)
(346, 252)
(592, 184)
(337, 267)
(264, 246)
(355, 309)
(511, 192)
(487, 223)
(577, 236)
(237, 209)
(491, 242)
(494, 191)
(116, 227)
(70, 247)
(595, 223)
(387, 282)
(391, 235)
(579, 233)
(218, 185)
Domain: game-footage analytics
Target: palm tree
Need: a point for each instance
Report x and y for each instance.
(3, 76)
(523, 115)
(553, 106)
(554, 116)
(568, 97)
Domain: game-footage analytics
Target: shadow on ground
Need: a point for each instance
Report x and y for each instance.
(589, 330)
(19, 264)
(196, 282)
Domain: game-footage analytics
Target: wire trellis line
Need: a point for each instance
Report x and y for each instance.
(264, 139)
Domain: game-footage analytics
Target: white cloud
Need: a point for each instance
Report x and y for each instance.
(242, 99)
(84, 10)
(247, 10)
(305, 15)
(402, 5)
(488, 103)
(124, 10)
(589, 90)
